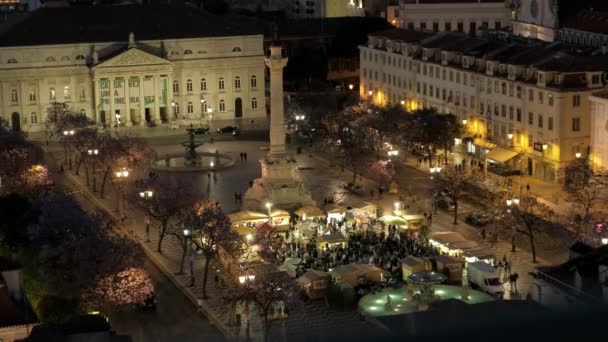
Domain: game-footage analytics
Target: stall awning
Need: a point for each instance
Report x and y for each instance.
(501, 155)
(484, 144)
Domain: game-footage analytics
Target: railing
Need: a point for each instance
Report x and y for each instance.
(571, 290)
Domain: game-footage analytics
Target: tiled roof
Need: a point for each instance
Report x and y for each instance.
(403, 35)
(569, 63)
(84, 24)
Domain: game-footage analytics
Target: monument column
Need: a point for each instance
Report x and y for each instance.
(275, 63)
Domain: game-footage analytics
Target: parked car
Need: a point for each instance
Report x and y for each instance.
(228, 129)
(201, 130)
(479, 218)
(446, 203)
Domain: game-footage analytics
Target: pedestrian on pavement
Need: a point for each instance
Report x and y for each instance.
(245, 156)
(209, 175)
(514, 278)
(251, 184)
(216, 280)
(252, 123)
(528, 187)
(431, 218)
(483, 233)
(380, 192)
(242, 157)
(236, 197)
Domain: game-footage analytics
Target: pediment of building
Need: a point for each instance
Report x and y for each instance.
(133, 57)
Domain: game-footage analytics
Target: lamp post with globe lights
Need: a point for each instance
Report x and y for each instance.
(512, 203)
(92, 155)
(147, 196)
(68, 153)
(121, 177)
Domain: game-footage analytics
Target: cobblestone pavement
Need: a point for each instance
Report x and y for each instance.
(312, 319)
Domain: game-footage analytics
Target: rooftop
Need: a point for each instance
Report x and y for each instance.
(403, 35)
(88, 24)
(427, 2)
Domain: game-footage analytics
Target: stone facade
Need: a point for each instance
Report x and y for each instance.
(462, 16)
(144, 81)
(537, 95)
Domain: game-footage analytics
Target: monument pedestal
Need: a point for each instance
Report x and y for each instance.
(279, 185)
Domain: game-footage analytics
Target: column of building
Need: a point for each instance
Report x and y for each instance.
(157, 98)
(112, 116)
(142, 102)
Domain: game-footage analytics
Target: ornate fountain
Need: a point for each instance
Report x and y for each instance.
(190, 156)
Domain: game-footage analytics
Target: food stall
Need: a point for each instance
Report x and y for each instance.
(280, 220)
(450, 266)
(330, 240)
(336, 214)
(247, 218)
(314, 283)
(309, 213)
(370, 209)
(351, 273)
(394, 220)
(411, 265)
(479, 254)
(414, 221)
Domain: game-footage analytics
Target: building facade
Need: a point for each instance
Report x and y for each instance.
(469, 16)
(526, 107)
(326, 8)
(217, 75)
(599, 130)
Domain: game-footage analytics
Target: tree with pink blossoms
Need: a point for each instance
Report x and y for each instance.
(129, 287)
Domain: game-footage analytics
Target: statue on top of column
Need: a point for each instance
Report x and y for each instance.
(276, 39)
(131, 40)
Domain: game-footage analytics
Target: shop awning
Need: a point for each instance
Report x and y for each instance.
(484, 144)
(501, 155)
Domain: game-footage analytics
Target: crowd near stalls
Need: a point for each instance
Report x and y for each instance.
(350, 247)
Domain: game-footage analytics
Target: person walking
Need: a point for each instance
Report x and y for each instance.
(245, 156)
(514, 278)
(483, 233)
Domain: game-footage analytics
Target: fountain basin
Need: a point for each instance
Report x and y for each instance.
(403, 302)
(178, 163)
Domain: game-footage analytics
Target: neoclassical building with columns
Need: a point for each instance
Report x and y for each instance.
(133, 64)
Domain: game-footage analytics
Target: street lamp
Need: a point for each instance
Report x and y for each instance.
(577, 155)
(402, 102)
(187, 237)
(370, 93)
(604, 241)
(68, 152)
(146, 196)
(512, 202)
(269, 207)
(249, 237)
(397, 206)
(351, 86)
(92, 153)
(121, 176)
(464, 121)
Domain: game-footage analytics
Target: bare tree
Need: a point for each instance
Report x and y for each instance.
(211, 228)
(454, 180)
(585, 185)
(528, 218)
(166, 203)
(268, 291)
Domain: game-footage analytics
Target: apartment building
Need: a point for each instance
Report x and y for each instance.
(525, 108)
(469, 16)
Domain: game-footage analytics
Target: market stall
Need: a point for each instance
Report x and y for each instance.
(333, 239)
(479, 254)
(336, 214)
(314, 283)
(394, 220)
(310, 213)
(353, 273)
(411, 265)
(280, 220)
(450, 266)
(451, 243)
(414, 221)
(247, 218)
